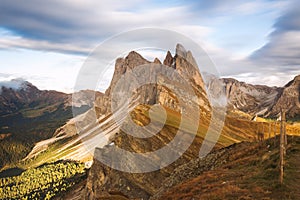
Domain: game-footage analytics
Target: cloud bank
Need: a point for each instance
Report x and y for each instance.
(15, 84)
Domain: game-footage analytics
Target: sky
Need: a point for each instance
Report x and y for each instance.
(47, 42)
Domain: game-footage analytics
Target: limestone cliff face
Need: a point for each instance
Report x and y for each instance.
(162, 92)
(122, 65)
(186, 65)
(104, 182)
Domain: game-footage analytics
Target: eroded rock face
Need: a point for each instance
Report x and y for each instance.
(252, 99)
(160, 92)
(123, 65)
(104, 181)
(103, 185)
(168, 59)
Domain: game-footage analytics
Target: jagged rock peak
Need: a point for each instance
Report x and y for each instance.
(132, 60)
(156, 61)
(135, 58)
(133, 54)
(190, 58)
(168, 59)
(180, 51)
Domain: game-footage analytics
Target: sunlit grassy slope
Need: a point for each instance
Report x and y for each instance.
(235, 130)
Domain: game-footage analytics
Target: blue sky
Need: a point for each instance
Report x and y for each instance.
(46, 42)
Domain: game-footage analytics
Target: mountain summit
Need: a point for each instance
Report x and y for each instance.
(103, 181)
(147, 107)
(148, 104)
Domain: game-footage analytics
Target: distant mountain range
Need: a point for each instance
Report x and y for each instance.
(29, 115)
(248, 99)
(41, 125)
(263, 100)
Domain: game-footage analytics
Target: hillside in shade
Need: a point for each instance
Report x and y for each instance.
(29, 115)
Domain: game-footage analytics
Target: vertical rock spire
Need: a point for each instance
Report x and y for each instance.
(168, 59)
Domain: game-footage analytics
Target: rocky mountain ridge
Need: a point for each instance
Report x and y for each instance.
(263, 100)
(156, 93)
(104, 182)
(14, 99)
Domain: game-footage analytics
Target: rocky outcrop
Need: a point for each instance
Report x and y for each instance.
(104, 182)
(157, 61)
(158, 93)
(168, 59)
(123, 65)
(165, 87)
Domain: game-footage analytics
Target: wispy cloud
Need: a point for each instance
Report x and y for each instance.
(281, 54)
(82, 23)
(7, 82)
(228, 30)
(284, 46)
